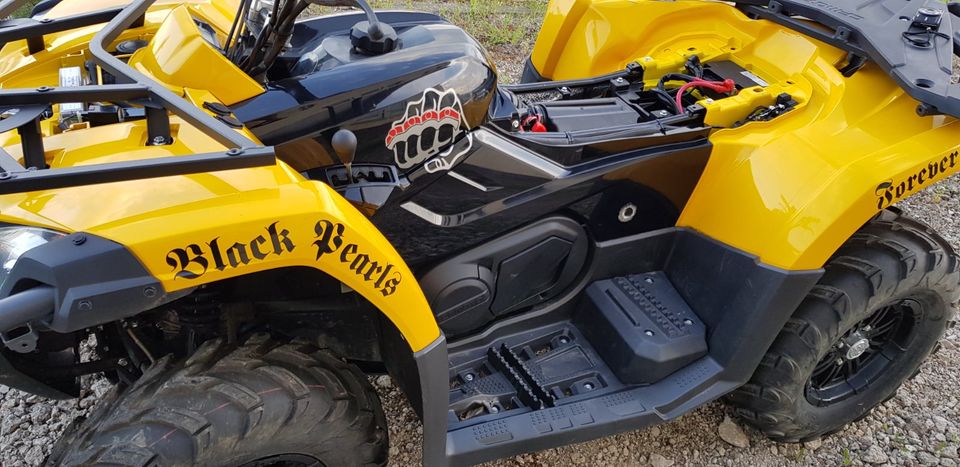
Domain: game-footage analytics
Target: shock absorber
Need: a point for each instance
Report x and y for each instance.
(199, 317)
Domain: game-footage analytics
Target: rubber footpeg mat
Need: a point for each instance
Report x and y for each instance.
(641, 327)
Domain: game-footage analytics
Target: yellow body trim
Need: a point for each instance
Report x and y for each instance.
(790, 190)
(179, 57)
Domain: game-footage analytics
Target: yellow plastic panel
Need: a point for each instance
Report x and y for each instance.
(179, 57)
(790, 190)
(258, 219)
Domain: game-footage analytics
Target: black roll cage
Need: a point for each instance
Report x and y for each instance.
(132, 86)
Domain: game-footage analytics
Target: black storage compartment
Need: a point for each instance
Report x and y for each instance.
(641, 327)
(588, 114)
(509, 274)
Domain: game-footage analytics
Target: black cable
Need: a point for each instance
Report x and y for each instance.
(284, 32)
(927, 41)
(233, 27)
(261, 40)
(673, 77)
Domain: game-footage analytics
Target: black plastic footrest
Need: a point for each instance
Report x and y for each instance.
(529, 388)
(641, 327)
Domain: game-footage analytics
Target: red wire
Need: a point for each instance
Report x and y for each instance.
(724, 86)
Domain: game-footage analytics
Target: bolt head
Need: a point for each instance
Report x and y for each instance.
(648, 333)
(149, 291)
(648, 280)
(588, 386)
(468, 377)
(563, 339)
(627, 212)
(85, 305)
(494, 409)
(79, 239)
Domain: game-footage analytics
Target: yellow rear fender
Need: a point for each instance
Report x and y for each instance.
(790, 190)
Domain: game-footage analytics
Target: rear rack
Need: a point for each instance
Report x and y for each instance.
(134, 87)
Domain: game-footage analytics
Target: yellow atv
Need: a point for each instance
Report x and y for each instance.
(239, 214)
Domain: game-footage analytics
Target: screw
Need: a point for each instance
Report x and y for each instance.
(46, 20)
(468, 377)
(44, 89)
(709, 101)
(564, 90)
(234, 152)
(648, 333)
(79, 239)
(564, 339)
(159, 141)
(515, 124)
(648, 280)
(5, 175)
(688, 322)
(494, 409)
(867, 328)
(588, 386)
(122, 362)
(648, 59)
(839, 361)
(85, 305)
(149, 291)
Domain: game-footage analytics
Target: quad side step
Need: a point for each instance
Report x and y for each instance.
(630, 353)
(641, 327)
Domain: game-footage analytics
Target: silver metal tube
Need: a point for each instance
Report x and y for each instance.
(29, 305)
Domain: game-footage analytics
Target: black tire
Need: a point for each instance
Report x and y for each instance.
(892, 267)
(228, 406)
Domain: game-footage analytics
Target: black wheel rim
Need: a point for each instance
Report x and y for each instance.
(863, 353)
(285, 460)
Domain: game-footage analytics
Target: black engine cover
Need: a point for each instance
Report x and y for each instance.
(405, 106)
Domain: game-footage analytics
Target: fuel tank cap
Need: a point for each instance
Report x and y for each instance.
(373, 39)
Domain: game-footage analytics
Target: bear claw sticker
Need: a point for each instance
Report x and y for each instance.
(428, 127)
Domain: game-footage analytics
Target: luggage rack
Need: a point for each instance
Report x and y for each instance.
(31, 104)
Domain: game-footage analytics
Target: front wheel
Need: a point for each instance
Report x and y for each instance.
(876, 314)
(262, 404)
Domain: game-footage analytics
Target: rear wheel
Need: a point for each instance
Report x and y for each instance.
(877, 313)
(262, 404)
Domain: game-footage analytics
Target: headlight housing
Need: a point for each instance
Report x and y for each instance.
(17, 240)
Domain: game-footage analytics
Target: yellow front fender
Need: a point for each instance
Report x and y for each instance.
(198, 229)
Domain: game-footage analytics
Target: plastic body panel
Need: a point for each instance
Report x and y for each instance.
(180, 57)
(383, 99)
(790, 190)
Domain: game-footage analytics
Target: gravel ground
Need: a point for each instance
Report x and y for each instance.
(920, 426)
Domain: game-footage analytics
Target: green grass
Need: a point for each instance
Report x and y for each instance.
(25, 9)
(492, 22)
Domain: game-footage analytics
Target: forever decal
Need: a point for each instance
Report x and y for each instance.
(428, 126)
(196, 259)
(890, 192)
